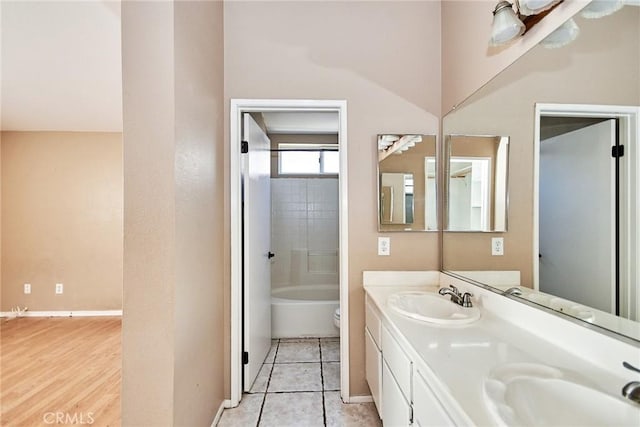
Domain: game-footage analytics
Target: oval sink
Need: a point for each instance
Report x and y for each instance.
(431, 307)
(529, 394)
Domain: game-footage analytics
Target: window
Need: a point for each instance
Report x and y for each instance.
(308, 159)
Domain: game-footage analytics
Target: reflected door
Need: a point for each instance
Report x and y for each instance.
(578, 216)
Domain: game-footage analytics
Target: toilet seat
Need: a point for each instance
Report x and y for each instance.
(336, 318)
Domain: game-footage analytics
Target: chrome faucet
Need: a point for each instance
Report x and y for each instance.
(631, 390)
(457, 297)
(513, 291)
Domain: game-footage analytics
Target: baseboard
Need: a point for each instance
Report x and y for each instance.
(223, 404)
(64, 313)
(360, 399)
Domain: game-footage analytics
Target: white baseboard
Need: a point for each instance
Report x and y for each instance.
(360, 399)
(64, 313)
(224, 404)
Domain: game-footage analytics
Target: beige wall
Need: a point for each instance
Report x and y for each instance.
(173, 327)
(62, 220)
(383, 58)
(468, 62)
(506, 107)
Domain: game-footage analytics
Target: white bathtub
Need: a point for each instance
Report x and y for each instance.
(304, 311)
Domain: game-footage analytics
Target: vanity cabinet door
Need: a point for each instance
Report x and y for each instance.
(373, 369)
(397, 411)
(427, 410)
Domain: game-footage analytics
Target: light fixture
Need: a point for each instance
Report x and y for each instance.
(600, 8)
(562, 36)
(506, 25)
(532, 7)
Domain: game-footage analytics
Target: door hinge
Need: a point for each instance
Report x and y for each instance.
(617, 151)
(245, 357)
(244, 147)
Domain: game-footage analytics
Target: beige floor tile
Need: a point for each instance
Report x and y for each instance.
(246, 414)
(349, 415)
(271, 356)
(298, 351)
(292, 409)
(260, 384)
(331, 376)
(295, 377)
(330, 351)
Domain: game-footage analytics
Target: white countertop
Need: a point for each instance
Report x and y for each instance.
(458, 358)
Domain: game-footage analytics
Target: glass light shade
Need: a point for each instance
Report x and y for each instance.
(506, 25)
(600, 8)
(562, 36)
(531, 7)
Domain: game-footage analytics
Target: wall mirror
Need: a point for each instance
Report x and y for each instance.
(510, 104)
(407, 182)
(476, 182)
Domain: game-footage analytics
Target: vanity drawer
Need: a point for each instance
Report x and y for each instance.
(399, 363)
(372, 321)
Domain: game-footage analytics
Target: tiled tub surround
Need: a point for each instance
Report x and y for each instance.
(299, 385)
(455, 360)
(304, 231)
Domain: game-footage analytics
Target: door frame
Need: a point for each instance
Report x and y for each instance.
(629, 134)
(237, 108)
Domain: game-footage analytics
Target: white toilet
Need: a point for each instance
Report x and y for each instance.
(336, 318)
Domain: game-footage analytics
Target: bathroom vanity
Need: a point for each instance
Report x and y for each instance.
(514, 365)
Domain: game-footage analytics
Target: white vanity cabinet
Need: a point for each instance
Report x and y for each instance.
(400, 391)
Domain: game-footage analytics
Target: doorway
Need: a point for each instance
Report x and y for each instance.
(240, 109)
(585, 206)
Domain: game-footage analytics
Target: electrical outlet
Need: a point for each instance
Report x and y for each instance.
(59, 288)
(497, 246)
(384, 246)
(27, 288)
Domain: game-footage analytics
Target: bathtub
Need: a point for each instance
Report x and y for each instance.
(304, 311)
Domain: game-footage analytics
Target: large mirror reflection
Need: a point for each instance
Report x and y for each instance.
(572, 239)
(407, 182)
(476, 182)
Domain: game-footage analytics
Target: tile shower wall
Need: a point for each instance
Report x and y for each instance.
(304, 231)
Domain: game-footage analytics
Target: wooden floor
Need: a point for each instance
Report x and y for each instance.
(57, 371)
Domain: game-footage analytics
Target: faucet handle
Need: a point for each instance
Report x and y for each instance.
(466, 300)
(630, 367)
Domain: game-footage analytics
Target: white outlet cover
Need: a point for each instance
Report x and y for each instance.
(59, 288)
(384, 246)
(27, 288)
(497, 246)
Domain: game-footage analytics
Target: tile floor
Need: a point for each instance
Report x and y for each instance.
(299, 385)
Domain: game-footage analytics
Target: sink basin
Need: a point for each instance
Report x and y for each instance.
(529, 394)
(431, 307)
(565, 306)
